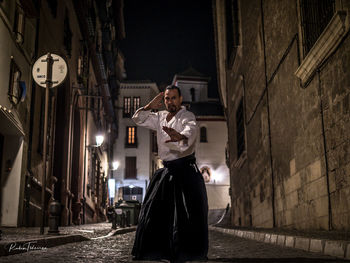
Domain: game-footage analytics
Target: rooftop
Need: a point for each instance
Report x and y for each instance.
(209, 108)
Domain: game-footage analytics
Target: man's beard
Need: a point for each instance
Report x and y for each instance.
(171, 108)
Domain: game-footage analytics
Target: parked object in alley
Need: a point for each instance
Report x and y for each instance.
(130, 209)
(54, 218)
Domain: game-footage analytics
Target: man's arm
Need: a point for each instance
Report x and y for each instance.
(182, 140)
(143, 117)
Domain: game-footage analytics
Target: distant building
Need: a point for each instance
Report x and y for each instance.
(211, 139)
(136, 147)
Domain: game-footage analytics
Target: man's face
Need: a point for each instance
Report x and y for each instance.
(172, 100)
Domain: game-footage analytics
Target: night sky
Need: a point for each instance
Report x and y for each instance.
(167, 37)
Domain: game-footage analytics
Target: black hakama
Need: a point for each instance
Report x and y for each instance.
(173, 222)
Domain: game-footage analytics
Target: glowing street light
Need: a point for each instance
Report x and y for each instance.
(115, 165)
(99, 140)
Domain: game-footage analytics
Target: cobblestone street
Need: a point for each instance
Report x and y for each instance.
(223, 248)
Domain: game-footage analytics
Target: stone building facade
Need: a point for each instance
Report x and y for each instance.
(283, 72)
(136, 147)
(17, 45)
(86, 34)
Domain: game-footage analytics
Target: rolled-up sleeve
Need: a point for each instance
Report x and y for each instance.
(146, 119)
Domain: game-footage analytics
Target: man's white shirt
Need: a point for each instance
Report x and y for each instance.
(183, 122)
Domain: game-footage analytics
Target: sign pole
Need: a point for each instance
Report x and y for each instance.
(48, 81)
(48, 71)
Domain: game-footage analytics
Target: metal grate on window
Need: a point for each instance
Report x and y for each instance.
(232, 29)
(136, 104)
(229, 27)
(315, 16)
(127, 107)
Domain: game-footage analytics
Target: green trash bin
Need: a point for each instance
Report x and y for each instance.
(134, 215)
(129, 210)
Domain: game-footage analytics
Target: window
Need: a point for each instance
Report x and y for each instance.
(206, 173)
(315, 16)
(203, 134)
(131, 136)
(193, 98)
(232, 28)
(53, 7)
(130, 167)
(80, 67)
(240, 129)
(154, 142)
(127, 107)
(67, 35)
(136, 104)
(18, 27)
(14, 84)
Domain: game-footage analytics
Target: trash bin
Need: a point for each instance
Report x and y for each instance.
(129, 210)
(134, 216)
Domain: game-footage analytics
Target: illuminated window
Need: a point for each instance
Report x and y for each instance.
(136, 104)
(127, 107)
(131, 139)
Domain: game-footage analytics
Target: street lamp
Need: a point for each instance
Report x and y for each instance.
(99, 140)
(115, 165)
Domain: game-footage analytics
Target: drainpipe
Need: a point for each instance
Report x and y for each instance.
(330, 221)
(31, 123)
(268, 120)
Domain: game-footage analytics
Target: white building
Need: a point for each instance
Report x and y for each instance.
(135, 148)
(17, 35)
(212, 139)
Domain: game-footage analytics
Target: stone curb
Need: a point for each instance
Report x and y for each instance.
(124, 230)
(340, 249)
(118, 231)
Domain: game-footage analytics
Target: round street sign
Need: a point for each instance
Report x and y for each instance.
(59, 70)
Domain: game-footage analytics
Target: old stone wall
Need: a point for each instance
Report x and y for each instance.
(293, 132)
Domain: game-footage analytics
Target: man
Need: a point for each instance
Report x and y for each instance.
(173, 218)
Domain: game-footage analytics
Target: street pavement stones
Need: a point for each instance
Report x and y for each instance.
(20, 240)
(223, 248)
